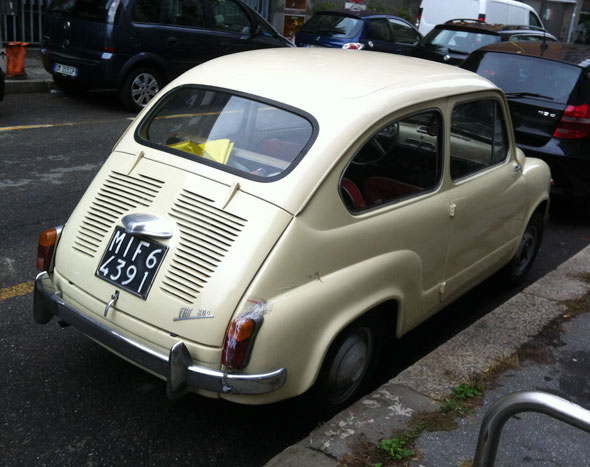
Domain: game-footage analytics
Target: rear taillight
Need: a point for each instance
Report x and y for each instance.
(481, 18)
(109, 50)
(46, 248)
(575, 123)
(419, 17)
(239, 341)
(353, 46)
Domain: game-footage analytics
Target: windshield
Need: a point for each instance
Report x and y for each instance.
(256, 139)
(333, 25)
(103, 11)
(459, 41)
(528, 76)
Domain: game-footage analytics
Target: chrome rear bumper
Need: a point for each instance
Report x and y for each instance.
(177, 367)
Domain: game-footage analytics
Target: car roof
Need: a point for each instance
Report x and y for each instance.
(348, 93)
(575, 54)
(467, 24)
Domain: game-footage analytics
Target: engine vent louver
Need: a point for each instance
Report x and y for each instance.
(119, 194)
(206, 235)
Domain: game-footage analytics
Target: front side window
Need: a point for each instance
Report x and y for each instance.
(478, 137)
(403, 32)
(259, 140)
(403, 159)
(185, 13)
(378, 29)
(229, 16)
(460, 41)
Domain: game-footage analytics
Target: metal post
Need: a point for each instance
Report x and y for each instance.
(526, 401)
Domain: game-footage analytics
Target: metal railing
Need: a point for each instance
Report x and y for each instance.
(21, 20)
(526, 401)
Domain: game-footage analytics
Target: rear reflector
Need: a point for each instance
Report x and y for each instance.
(575, 123)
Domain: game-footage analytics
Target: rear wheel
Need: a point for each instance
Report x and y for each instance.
(530, 242)
(140, 86)
(349, 365)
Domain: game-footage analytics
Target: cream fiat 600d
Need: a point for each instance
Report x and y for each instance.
(272, 217)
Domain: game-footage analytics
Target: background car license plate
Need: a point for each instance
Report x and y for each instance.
(65, 70)
(131, 262)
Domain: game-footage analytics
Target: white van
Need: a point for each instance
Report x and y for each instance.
(433, 12)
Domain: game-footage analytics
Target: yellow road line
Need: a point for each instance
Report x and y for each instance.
(16, 290)
(58, 125)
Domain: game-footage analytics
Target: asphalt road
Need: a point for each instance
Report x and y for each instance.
(66, 400)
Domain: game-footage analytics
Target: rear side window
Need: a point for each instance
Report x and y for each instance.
(402, 160)
(257, 139)
(333, 25)
(478, 137)
(103, 11)
(185, 13)
(146, 11)
(528, 76)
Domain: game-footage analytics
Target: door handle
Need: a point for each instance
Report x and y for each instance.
(172, 40)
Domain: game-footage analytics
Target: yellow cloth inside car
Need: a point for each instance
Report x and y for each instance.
(217, 150)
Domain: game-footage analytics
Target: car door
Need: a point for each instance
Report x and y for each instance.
(486, 192)
(393, 188)
(379, 36)
(184, 38)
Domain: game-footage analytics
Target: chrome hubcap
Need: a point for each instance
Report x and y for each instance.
(526, 251)
(143, 88)
(349, 366)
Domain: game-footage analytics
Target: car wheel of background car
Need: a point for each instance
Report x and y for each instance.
(349, 365)
(522, 261)
(140, 86)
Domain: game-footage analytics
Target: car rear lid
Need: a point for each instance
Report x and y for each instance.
(79, 28)
(547, 97)
(220, 237)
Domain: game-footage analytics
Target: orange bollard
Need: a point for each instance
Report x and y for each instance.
(15, 59)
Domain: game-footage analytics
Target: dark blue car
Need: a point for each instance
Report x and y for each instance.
(136, 46)
(358, 29)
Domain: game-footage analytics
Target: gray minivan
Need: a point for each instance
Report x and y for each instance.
(136, 46)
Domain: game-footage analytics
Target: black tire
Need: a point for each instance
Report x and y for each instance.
(349, 365)
(139, 87)
(521, 263)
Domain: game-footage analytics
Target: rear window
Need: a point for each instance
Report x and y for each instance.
(103, 11)
(333, 25)
(528, 76)
(260, 140)
(459, 41)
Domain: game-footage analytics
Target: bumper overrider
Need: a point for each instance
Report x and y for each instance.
(177, 367)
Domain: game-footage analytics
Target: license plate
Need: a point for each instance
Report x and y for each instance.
(65, 70)
(131, 262)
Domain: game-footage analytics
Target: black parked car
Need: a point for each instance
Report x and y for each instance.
(454, 40)
(138, 45)
(548, 90)
(358, 29)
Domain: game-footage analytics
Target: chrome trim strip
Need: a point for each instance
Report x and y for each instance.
(177, 368)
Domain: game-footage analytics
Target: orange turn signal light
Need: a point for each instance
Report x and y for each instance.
(45, 248)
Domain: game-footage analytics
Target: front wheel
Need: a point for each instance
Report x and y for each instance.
(530, 242)
(349, 365)
(140, 86)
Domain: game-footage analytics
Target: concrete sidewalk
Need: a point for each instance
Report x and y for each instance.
(538, 340)
(36, 78)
